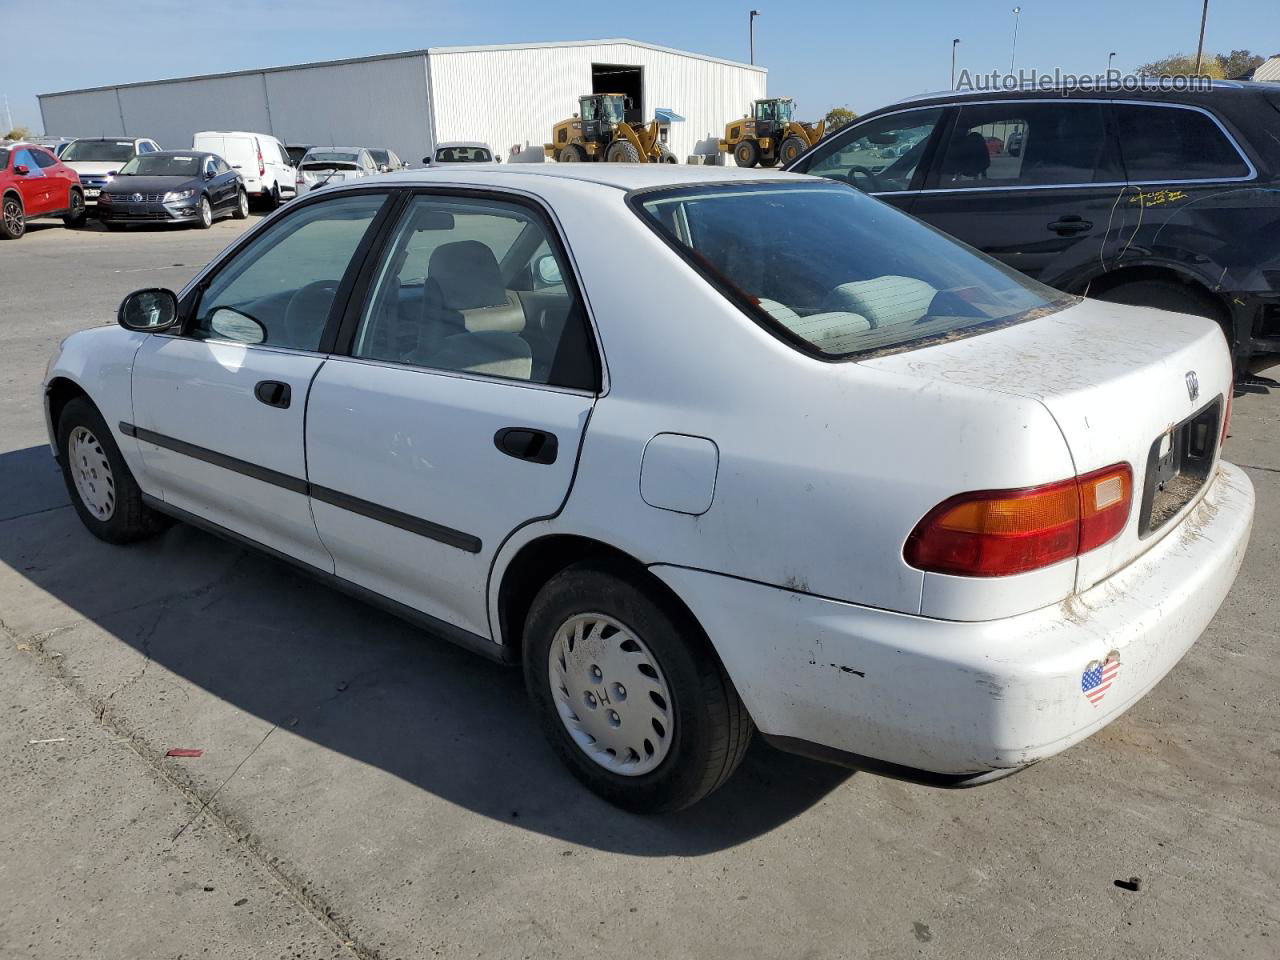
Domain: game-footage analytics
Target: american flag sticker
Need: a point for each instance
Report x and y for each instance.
(1098, 677)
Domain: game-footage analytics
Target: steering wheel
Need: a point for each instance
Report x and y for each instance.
(855, 172)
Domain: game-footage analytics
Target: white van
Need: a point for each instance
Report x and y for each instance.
(259, 157)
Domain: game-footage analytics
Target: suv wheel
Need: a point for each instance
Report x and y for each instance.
(77, 215)
(630, 693)
(13, 220)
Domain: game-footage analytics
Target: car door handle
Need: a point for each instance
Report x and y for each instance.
(273, 393)
(1069, 225)
(524, 443)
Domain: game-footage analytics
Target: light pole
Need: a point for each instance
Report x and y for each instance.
(1111, 56)
(1013, 56)
(1204, 17)
(751, 33)
(954, 43)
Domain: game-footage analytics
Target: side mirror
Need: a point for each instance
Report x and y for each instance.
(21, 169)
(210, 174)
(547, 270)
(427, 161)
(148, 311)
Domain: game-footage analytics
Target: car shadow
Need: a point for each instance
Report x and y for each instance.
(276, 644)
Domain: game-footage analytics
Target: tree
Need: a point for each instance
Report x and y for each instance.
(837, 117)
(1180, 64)
(1239, 63)
(18, 133)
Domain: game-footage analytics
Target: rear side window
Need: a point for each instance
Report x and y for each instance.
(879, 156)
(43, 158)
(1017, 144)
(1162, 143)
(836, 272)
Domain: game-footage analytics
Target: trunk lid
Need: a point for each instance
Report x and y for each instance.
(1118, 380)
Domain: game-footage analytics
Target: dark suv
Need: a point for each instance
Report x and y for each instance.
(1158, 199)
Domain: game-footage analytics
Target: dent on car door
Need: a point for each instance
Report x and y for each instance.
(458, 414)
(218, 410)
(885, 156)
(1034, 184)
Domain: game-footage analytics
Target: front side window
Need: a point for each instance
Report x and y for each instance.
(836, 272)
(879, 156)
(1173, 143)
(589, 109)
(27, 159)
(99, 151)
(1018, 144)
(279, 289)
(477, 286)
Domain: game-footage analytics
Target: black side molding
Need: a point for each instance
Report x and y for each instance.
(441, 628)
(883, 768)
(344, 501)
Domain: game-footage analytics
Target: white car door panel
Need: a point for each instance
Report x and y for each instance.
(214, 448)
(410, 490)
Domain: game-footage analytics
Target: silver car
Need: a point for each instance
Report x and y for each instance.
(323, 166)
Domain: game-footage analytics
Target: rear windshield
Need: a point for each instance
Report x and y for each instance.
(836, 272)
(318, 159)
(463, 155)
(329, 165)
(152, 165)
(101, 151)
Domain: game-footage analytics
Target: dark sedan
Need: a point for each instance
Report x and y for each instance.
(173, 186)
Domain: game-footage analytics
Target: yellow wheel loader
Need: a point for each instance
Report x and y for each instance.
(768, 136)
(599, 131)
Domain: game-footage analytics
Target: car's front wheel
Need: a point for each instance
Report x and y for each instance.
(629, 691)
(13, 219)
(99, 482)
(204, 214)
(242, 205)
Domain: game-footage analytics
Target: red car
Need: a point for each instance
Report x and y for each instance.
(35, 183)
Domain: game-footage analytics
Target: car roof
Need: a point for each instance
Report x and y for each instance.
(462, 143)
(622, 176)
(1228, 90)
(123, 138)
(337, 149)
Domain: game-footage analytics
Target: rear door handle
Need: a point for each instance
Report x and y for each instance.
(525, 443)
(273, 393)
(1069, 225)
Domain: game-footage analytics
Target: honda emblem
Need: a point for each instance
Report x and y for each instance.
(1193, 386)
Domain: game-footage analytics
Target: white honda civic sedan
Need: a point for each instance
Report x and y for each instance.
(707, 451)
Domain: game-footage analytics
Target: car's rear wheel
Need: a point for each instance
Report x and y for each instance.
(204, 214)
(746, 153)
(242, 205)
(77, 215)
(1171, 295)
(99, 482)
(273, 197)
(13, 219)
(629, 691)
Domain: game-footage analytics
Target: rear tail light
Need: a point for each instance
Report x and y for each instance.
(1226, 421)
(995, 533)
(262, 167)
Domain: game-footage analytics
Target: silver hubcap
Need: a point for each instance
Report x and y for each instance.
(92, 473)
(244, 205)
(13, 216)
(206, 212)
(611, 694)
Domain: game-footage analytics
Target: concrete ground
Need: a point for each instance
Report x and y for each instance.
(367, 791)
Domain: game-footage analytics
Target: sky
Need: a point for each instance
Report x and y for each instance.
(854, 53)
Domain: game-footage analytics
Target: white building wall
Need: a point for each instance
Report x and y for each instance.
(510, 96)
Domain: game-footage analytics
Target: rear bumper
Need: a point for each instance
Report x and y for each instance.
(954, 703)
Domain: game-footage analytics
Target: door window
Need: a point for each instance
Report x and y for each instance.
(278, 291)
(26, 158)
(879, 156)
(1161, 143)
(44, 159)
(477, 286)
(1016, 144)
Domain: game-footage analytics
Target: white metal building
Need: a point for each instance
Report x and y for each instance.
(509, 95)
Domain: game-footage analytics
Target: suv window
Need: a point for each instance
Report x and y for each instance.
(284, 157)
(455, 291)
(25, 157)
(879, 156)
(278, 290)
(1164, 143)
(44, 158)
(1018, 144)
